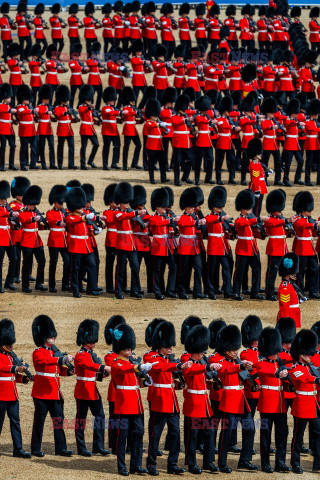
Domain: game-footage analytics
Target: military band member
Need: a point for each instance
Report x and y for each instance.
(46, 391)
(27, 131)
(109, 130)
(86, 393)
(10, 375)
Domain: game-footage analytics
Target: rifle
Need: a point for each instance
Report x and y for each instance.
(302, 130)
(96, 359)
(245, 376)
(174, 226)
(259, 226)
(190, 23)
(299, 292)
(267, 171)
(147, 381)
(137, 219)
(63, 23)
(139, 113)
(97, 115)
(280, 127)
(188, 122)
(42, 219)
(314, 370)
(18, 362)
(174, 24)
(61, 66)
(288, 227)
(73, 113)
(97, 22)
(282, 367)
(13, 219)
(228, 225)
(178, 375)
(58, 354)
(211, 124)
(170, 67)
(212, 374)
(147, 66)
(315, 226)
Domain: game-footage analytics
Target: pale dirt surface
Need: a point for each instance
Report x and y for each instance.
(68, 312)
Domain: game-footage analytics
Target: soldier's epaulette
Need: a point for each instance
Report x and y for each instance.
(285, 283)
(154, 356)
(37, 348)
(244, 350)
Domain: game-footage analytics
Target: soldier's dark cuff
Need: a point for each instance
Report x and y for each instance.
(60, 361)
(13, 369)
(24, 380)
(208, 369)
(242, 367)
(179, 366)
(136, 213)
(58, 223)
(277, 373)
(317, 380)
(101, 369)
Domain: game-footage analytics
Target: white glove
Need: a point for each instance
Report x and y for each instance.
(163, 124)
(145, 367)
(90, 216)
(98, 230)
(148, 382)
(122, 68)
(127, 23)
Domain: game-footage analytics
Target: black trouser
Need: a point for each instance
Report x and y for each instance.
(12, 144)
(27, 265)
(264, 44)
(159, 263)
(258, 200)
(170, 46)
(17, 247)
(70, 141)
(241, 264)
(73, 89)
(14, 89)
(115, 140)
(192, 427)
(5, 45)
(271, 274)
(185, 263)
(24, 154)
(106, 43)
(230, 163)
(96, 409)
(54, 254)
(182, 158)
(136, 91)
(276, 160)
(41, 149)
(148, 262)
(12, 410)
(80, 261)
(309, 265)
(110, 258)
(157, 422)
(129, 425)
(213, 261)
(95, 145)
(44, 43)
(281, 434)
(11, 253)
(233, 43)
(244, 165)
(72, 41)
(283, 45)
(216, 419)
(137, 143)
(288, 159)
(98, 90)
(297, 440)
(122, 257)
(313, 158)
(203, 42)
(228, 423)
(165, 143)
(60, 42)
(35, 91)
(187, 44)
(41, 409)
(155, 156)
(315, 46)
(149, 44)
(205, 153)
(24, 50)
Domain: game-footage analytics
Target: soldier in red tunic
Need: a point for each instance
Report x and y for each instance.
(154, 129)
(7, 219)
(64, 129)
(287, 292)
(291, 144)
(110, 236)
(305, 407)
(88, 369)
(77, 68)
(128, 409)
(90, 25)
(271, 403)
(129, 117)
(257, 173)
(109, 130)
(107, 24)
(44, 114)
(270, 143)
(181, 143)
(6, 25)
(74, 25)
(39, 26)
(167, 26)
(288, 329)
(15, 66)
(312, 144)
(7, 132)
(24, 27)
(57, 240)
(87, 131)
(164, 407)
(10, 375)
(56, 27)
(46, 391)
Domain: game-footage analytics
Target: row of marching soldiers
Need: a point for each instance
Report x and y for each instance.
(277, 372)
(161, 239)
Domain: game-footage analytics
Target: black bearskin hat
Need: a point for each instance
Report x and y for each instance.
(72, 184)
(22, 7)
(112, 323)
(45, 92)
(224, 32)
(295, 11)
(5, 91)
(214, 327)
(153, 108)
(314, 12)
(269, 105)
(316, 329)
(42, 329)
(150, 330)
(19, 185)
(303, 202)
(62, 94)
(139, 196)
(254, 148)
(231, 10)
(109, 94)
(159, 198)
(200, 9)
(123, 338)
(313, 107)
(277, 56)
(187, 325)
(32, 196)
(4, 189)
(247, 104)
(164, 336)
(246, 9)
(123, 193)
(151, 7)
(7, 333)
(169, 95)
(269, 342)
(304, 343)
(182, 103)
(310, 57)
(150, 92)
(293, 106)
(167, 8)
(137, 46)
(200, 196)
(88, 332)
(250, 330)
(159, 51)
(228, 339)
(73, 9)
(289, 264)
(184, 9)
(245, 200)
(35, 50)
(56, 8)
(217, 197)
(39, 9)
(86, 93)
(109, 193)
(76, 199)
(171, 195)
(89, 8)
(288, 56)
(58, 194)
(214, 10)
(118, 6)
(127, 96)
(23, 93)
(203, 104)
(276, 201)
(135, 6)
(189, 91)
(226, 104)
(280, 98)
(5, 7)
(249, 73)
(88, 189)
(198, 339)
(188, 198)
(287, 328)
(236, 97)
(51, 49)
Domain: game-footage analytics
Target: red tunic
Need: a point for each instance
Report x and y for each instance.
(163, 399)
(232, 399)
(233, 73)
(277, 243)
(64, 128)
(192, 77)
(232, 27)
(23, 30)
(85, 370)
(188, 244)
(158, 226)
(124, 239)
(87, 122)
(289, 302)
(127, 400)
(160, 77)
(57, 236)
(269, 141)
(76, 73)
(56, 29)
(285, 356)
(258, 179)
(165, 116)
(217, 243)
(203, 137)
(150, 31)
(5, 28)
(118, 26)
(303, 241)
(108, 360)
(138, 72)
(16, 234)
(109, 122)
(154, 135)
(179, 81)
(135, 30)
(38, 28)
(252, 355)
(184, 29)
(44, 122)
(271, 398)
(224, 134)
(8, 388)
(89, 27)
(305, 403)
(52, 73)
(263, 35)
(200, 28)
(246, 243)
(244, 29)
(314, 28)
(181, 132)
(312, 139)
(111, 228)
(5, 231)
(48, 369)
(94, 72)
(35, 78)
(15, 72)
(73, 23)
(30, 237)
(166, 29)
(79, 240)
(196, 402)
(246, 123)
